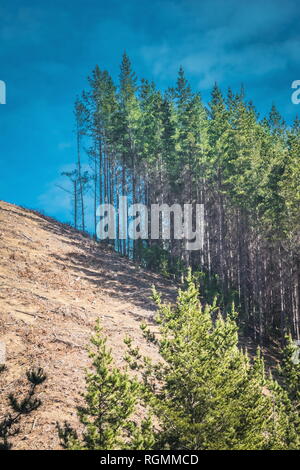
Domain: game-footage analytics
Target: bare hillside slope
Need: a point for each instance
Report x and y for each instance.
(54, 283)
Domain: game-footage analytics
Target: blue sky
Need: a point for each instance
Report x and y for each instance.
(47, 49)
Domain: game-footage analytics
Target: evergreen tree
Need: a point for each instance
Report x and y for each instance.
(290, 369)
(165, 148)
(110, 402)
(19, 408)
(206, 393)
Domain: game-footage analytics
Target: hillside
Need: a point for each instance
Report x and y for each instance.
(54, 283)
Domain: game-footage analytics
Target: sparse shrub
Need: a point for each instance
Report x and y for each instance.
(10, 423)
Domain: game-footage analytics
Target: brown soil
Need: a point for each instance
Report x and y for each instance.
(54, 283)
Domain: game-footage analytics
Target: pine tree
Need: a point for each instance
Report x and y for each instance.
(81, 117)
(111, 399)
(290, 369)
(128, 117)
(19, 408)
(206, 393)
